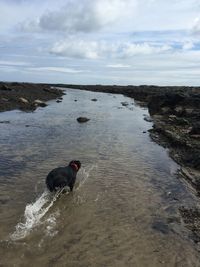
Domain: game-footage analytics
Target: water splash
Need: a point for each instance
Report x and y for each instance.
(35, 211)
(33, 214)
(85, 173)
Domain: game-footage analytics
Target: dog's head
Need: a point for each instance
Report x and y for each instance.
(75, 165)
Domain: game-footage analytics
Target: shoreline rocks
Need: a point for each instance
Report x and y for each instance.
(26, 96)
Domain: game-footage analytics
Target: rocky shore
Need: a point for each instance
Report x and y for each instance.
(26, 96)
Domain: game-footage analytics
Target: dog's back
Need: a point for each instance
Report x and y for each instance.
(63, 176)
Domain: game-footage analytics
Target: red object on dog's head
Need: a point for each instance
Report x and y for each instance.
(75, 164)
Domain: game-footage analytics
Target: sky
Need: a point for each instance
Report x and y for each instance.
(125, 42)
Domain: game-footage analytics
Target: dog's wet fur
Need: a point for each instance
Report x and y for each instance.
(63, 176)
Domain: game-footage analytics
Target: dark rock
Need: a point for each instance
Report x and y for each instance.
(5, 99)
(58, 101)
(82, 119)
(148, 118)
(5, 122)
(23, 100)
(94, 99)
(75, 100)
(195, 130)
(164, 103)
(125, 104)
(165, 110)
(22, 95)
(179, 110)
(191, 218)
(5, 88)
(40, 103)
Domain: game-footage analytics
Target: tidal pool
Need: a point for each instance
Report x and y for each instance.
(124, 209)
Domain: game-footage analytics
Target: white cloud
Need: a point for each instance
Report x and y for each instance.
(101, 49)
(196, 26)
(188, 45)
(81, 16)
(13, 63)
(118, 66)
(56, 69)
(76, 48)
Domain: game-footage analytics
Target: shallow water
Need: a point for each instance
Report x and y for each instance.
(124, 209)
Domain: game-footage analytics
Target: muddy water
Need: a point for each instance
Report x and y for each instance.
(124, 209)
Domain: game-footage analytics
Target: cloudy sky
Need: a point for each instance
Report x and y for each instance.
(100, 41)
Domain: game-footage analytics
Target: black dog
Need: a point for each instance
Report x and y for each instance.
(63, 176)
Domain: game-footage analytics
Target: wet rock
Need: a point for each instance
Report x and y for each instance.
(148, 118)
(82, 119)
(165, 110)
(22, 95)
(179, 110)
(191, 218)
(40, 103)
(192, 176)
(54, 91)
(189, 111)
(5, 122)
(164, 103)
(173, 119)
(5, 99)
(5, 88)
(24, 100)
(125, 104)
(195, 130)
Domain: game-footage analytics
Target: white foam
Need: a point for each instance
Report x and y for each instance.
(33, 214)
(51, 224)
